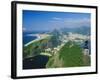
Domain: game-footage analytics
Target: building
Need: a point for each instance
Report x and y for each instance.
(86, 50)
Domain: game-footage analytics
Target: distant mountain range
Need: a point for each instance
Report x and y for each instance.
(85, 30)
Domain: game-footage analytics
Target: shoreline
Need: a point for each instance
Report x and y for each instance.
(39, 37)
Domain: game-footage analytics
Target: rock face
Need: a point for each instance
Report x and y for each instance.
(55, 39)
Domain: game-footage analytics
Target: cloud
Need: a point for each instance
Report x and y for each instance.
(70, 22)
(77, 22)
(56, 18)
(24, 29)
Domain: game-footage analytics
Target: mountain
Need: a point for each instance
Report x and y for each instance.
(85, 30)
(55, 39)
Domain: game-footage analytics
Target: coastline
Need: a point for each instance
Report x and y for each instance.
(39, 37)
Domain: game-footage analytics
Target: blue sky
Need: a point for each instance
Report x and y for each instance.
(46, 21)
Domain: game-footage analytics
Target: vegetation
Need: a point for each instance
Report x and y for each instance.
(36, 47)
(70, 55)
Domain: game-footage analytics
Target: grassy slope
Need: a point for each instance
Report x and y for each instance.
(68, 56)
(71, 55)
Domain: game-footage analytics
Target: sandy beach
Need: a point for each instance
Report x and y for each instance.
(39, 37)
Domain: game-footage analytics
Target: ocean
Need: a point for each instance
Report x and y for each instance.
(27, 38)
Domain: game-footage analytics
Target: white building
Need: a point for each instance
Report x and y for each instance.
(86, 52)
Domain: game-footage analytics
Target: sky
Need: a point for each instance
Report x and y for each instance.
(47, 21)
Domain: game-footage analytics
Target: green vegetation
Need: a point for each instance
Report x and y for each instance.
(36, 47)
(54, 62)
(70, 55)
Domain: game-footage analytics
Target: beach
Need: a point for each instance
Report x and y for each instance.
(39, 37)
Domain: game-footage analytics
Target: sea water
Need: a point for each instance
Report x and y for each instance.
(27, 38)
